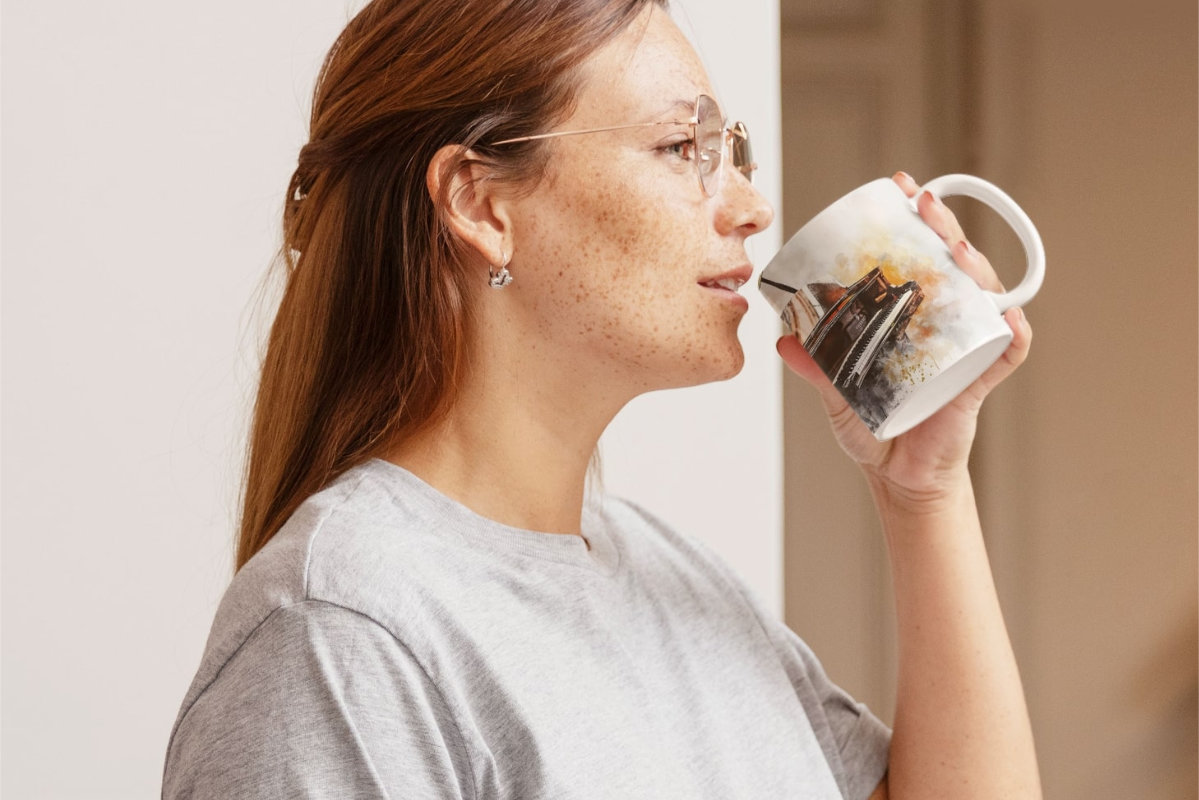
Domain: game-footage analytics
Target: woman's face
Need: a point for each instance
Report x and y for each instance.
(617, 251)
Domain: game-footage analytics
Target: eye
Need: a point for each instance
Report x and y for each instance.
(684, 149)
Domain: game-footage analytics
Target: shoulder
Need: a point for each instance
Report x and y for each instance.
(372, 540)
(277, 576)
(320, 634)
(328, 682)
(347, 547)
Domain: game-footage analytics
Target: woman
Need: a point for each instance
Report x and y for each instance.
(511, 218)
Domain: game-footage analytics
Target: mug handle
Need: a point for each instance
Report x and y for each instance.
(1013, 215)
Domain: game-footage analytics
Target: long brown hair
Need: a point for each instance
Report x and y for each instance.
(371, 333)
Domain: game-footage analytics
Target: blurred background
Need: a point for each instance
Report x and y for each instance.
(145, 148)
(1086, 462)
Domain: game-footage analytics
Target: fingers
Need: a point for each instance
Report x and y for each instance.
(945, 224)
(1016, 353)
(907, 183)
(935, 214)
(798, 360)
(938, 217)
(976, 265)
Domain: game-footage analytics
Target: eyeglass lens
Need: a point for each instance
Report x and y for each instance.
(709, 136)
(709, 142)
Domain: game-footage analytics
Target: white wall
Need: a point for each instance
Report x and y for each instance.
(146, 146)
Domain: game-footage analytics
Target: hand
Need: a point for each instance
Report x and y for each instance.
(926, 462)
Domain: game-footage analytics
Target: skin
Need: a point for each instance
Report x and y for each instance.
(610, 252)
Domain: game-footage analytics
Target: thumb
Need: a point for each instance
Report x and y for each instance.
(797, 358)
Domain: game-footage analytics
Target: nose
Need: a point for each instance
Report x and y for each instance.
(740, 206)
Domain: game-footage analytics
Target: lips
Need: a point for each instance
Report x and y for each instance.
(732, 284)
(731, 281)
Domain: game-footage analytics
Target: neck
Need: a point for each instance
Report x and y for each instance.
(517, 444)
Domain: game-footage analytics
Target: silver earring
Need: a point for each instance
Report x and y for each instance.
(500, 279)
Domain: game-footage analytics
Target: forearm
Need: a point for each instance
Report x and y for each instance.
(961, 724)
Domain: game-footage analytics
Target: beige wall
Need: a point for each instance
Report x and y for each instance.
(1109, 616)
(1087, 460)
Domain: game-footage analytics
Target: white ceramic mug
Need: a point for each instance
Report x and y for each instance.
(876, 299)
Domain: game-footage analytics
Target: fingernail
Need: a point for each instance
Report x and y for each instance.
(903, 174)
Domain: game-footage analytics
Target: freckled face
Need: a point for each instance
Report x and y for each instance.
(613, 249)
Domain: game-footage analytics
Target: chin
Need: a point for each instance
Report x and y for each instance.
(734, 356)
(721, 364)
(736, 363)
(722, 358)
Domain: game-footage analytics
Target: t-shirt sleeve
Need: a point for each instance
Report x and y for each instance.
(855, 742)
(319, 702)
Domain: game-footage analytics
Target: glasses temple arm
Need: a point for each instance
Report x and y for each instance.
(553, 134)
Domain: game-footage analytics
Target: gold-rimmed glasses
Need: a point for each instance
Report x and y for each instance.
(709, 137)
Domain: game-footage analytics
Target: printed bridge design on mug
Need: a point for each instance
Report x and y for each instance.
(869, 327)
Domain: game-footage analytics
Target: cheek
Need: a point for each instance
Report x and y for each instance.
(620, 263)
(614, 239)
(634, 263)
(635, 233)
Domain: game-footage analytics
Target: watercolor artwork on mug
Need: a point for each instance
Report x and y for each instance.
(874, 322)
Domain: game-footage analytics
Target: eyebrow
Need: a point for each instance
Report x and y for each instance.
(686, 106)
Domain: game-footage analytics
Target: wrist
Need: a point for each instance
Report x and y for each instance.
(940, 493)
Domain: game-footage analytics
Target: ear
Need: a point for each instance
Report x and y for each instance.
(469, 203)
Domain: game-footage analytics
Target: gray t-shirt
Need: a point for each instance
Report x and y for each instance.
(389, 642)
